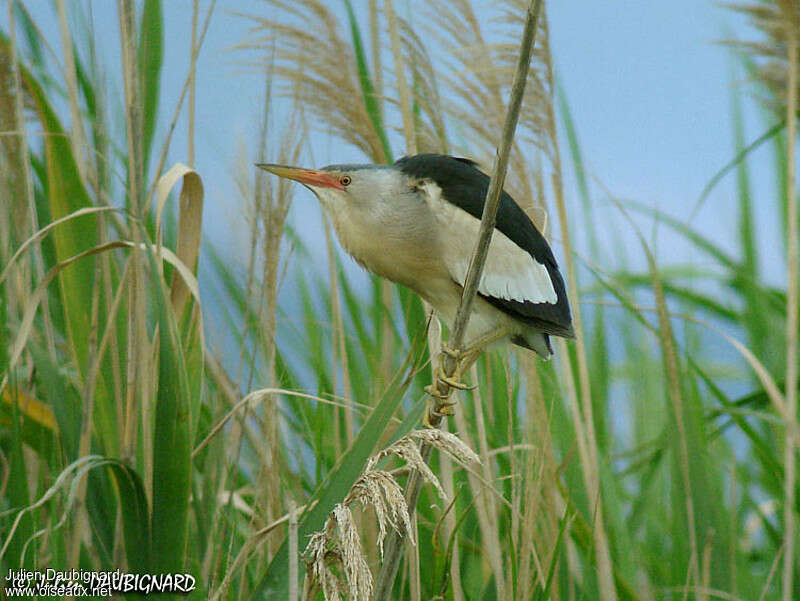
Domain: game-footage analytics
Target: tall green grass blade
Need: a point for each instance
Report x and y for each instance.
(367, 87)
(701, 242)
(688, 295)
(362, 346)
(172, 438)
(17, 493)
(754, 298)
(151, 56)
(318, 346)
(66, 194)
(543, 593)
(741, 155)
(598, 358)
(772, 469)
(413, 314)
(692, 475)
(581, 534)
(51, 384)
(135, 515)
(101, 509)
(778, 141)
(31, 34)
(577, 163)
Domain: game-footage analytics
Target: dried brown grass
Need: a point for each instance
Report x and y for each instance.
(335, 558)
(318, 67)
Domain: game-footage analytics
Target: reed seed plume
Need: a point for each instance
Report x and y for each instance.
(317, 67)
(534, 115)
(380, 491)
(447, 442)
(476, 74)
(352, 556)
(407, 450)
(771, 19)
(430, 127)
(338, 543)
(318, 559)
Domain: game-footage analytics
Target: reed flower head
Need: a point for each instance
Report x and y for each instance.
(337, 547)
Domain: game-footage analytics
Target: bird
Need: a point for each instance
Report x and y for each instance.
(415, 223)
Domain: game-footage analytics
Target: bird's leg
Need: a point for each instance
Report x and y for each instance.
(464, 359)
(440, 392)
(440, 404)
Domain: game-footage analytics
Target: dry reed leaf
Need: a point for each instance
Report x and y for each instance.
(190, 222)
(35, 409)
(187, 276)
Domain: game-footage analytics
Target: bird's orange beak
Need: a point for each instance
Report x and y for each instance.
(309, 177)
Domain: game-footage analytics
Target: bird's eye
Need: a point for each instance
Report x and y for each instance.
(345, 180)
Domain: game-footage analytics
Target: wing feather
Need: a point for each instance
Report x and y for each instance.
(521, 276)
(510, 273)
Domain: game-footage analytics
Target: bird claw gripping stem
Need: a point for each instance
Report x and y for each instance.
(439, 391)
(453, 381)
(436, 410)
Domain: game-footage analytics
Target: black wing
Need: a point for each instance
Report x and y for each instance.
(465, 186)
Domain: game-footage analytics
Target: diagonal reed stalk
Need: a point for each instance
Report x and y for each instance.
(394, 546)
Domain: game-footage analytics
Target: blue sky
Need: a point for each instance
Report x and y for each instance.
(648, 86)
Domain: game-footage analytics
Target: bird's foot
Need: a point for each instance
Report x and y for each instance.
(444, 383)
(437, 409)
(461, 359)
(454, 354)
(439, 391)
(454, 382)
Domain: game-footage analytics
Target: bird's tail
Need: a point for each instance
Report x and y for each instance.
(538, 342)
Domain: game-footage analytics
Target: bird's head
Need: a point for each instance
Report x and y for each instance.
(343, 187)
(377, 214)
